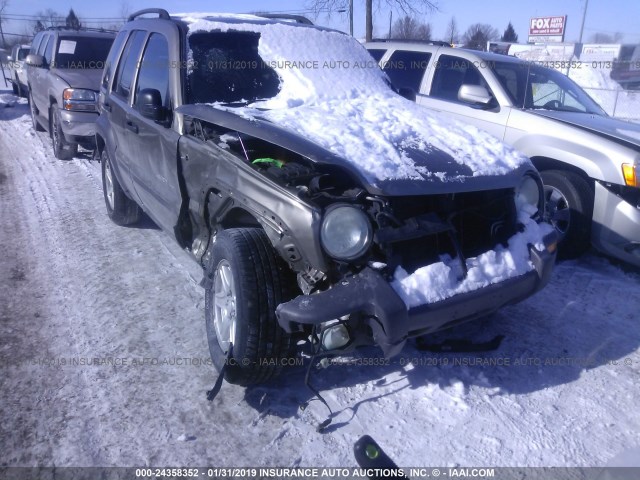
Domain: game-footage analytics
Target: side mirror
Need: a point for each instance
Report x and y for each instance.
(408, 93)
(475, 94)
(149, 104)
(35, 60)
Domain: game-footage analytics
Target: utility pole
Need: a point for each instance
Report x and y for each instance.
(351, 17)
(390, 21)
(584, 16)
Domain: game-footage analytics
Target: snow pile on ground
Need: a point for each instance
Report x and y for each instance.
(344, 104)
(7, 100)
(439, 281)
(608, 93)
(591, 76)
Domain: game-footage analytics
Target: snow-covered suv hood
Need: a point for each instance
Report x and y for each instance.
(87, 78)
(334, 94)
(612, 128)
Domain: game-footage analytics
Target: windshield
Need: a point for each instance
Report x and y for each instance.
(531, 86)
(82, 52)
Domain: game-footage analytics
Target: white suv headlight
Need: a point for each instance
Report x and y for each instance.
(529, 196)
(346, 232)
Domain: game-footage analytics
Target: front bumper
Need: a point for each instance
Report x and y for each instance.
(616, 226)
(79, 127)
(369, 294)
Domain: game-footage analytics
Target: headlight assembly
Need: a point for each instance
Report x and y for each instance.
(79, 99)
(529, 196)
(346, 232)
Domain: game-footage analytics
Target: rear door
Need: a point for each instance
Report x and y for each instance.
(406, 69)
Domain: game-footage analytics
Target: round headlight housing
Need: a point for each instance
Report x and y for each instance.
(529, 196)
(346, 232)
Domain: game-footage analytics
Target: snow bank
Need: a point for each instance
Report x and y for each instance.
(344, 103)
(439, 281)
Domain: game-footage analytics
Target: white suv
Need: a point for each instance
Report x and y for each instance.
(589, 162)
(18, 74)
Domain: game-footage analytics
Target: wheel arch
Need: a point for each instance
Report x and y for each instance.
(547, 163)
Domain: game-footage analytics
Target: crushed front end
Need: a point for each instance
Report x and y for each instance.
(409, 266)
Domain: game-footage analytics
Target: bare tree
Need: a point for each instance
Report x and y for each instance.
(408, 7)
(452, 35)
(48, 18)
(477, 36)
(408, 28)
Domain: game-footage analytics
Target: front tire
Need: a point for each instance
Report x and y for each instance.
(246, 281)
(62, 149)
(120, 208)
(569, 208)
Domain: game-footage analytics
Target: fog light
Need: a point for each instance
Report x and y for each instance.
(336, 336)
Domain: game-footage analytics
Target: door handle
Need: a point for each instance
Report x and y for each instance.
(106, 106)
(132, 126)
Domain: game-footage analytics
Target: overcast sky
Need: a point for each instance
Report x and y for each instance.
(606, 16)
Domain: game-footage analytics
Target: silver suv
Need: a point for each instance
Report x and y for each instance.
(589, 162)
(63, 71)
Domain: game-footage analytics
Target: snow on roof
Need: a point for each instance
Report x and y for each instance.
(333, 92)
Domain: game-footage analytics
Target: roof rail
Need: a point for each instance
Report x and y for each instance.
(285, 16)
(81, 29)
(405, 40)
(162, 13)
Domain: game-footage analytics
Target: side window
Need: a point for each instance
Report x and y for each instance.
(128, 63)
(377, 53)
(451, 73)
(109, 66)
(36, 43)
(43, 44)
(406, 68)
(48, 52)
(154, 68)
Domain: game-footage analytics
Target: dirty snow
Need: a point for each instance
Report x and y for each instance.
(345, 105)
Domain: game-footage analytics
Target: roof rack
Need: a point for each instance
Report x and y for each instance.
(424, 42)
(285, 16)
(162, 13)
(81, 29)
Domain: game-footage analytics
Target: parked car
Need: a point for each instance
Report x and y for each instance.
(626, 68)
(318, 201)
(63, 73)
(17, 71)
(589, 162)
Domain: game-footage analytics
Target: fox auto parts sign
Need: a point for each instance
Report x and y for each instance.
(547, 29)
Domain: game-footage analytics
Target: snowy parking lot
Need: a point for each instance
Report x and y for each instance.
(104, 358)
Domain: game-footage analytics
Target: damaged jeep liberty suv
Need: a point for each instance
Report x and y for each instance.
(321, 205)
